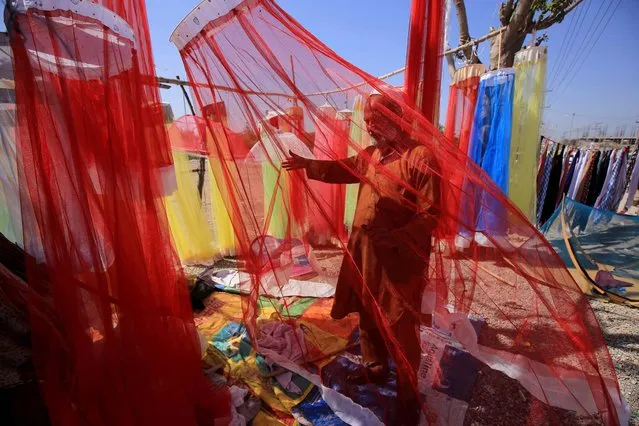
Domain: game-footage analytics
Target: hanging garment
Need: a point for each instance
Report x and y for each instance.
(619, 184)
(530, 87)
(579, 173)
(542, 162)
(544, 183)
(605, 186)
(602, 172)
(462, 101)
(582, 190)
(235, 152)
(113, 337)
(572, 171)
(591, 196)
(569, 156)
(551, 192)
(360, 138)
(632, 159)
(590, 177)
(632, 184)
(490, 139)
(219, 218)
(609, 197)
(283, 212)
(191, 134)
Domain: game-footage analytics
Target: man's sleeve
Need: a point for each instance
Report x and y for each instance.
(348, 170)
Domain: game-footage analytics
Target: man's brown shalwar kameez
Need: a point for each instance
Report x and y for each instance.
(385, 283)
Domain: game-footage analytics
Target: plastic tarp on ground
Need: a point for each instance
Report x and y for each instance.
(599, 247)
(401, 273)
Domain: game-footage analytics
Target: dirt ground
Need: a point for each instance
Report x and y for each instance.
(620, 325)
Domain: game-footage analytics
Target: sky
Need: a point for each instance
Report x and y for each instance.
(592, 63)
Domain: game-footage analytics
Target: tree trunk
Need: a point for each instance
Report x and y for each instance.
(508, 49)
(450, 61)
(464, 35)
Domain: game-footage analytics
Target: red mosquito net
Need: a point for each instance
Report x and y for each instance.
(121, 347)
(422, 79)
(492, 330)
(462, 99)
(188, 134)
(330, 140)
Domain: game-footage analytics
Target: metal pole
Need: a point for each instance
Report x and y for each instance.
(202, 170)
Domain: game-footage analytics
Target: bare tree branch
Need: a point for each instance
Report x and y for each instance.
(519, 18)
(547, 22)
(464, 36)
(506, 12)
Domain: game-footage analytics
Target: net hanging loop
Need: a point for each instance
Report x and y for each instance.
(499, 57)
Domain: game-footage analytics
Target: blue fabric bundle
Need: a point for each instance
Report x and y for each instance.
(490, 143)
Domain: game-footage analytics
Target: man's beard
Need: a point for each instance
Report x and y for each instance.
(384, 139)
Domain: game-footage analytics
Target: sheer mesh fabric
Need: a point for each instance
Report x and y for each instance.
(113, 336)
(412, 263)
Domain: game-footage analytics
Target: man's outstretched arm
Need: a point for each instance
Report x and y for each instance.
(347, 170)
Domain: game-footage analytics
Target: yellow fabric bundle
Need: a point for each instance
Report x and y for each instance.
(530, 84)
(190, 230)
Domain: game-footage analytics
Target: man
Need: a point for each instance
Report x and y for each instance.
(383, 273)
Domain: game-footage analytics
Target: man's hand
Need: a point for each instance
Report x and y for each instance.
(294, 162)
